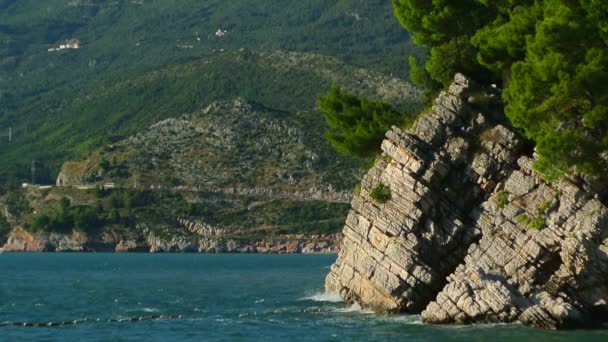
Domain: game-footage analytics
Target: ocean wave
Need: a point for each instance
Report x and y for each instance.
(355, 308)
(146, 309)
(479, 326)
(120, 319)
(332, 297)
(407, 319)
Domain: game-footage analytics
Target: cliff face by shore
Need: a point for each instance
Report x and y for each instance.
(186, 237)
(471, 233)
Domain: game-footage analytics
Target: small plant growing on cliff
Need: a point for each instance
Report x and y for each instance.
(537, 223)
(357, 190)
(503, 199)
(381, 193)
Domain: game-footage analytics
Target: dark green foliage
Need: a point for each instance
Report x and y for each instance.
(64, 204)
(100, 192)
(445, 27)
(41, 222)
(141, 198)
(550, 56)
(116, 202)
(15, 200)
(5, 228)
(381, 193)
(357, 126)
(86, 219)
(558, 93)
(104, 164)
(242, 216)
(115, 216)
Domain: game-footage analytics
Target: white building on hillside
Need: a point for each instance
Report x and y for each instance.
(69, 44)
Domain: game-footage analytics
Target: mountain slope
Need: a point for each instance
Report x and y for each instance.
(228, 145)
(108, 110)
(162, 58)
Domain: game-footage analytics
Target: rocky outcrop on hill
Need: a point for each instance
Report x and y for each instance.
(469, 233)
(229, 147)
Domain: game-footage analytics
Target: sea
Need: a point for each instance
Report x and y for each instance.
(203, 297)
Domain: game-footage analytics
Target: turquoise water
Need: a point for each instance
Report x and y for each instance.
(205, 298)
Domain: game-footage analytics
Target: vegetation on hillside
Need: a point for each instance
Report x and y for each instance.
(227, 145)
(141, 62)
(66, 209)
(550, 56)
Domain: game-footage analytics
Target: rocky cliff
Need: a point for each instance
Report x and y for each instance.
(467, 232)
(185, 237)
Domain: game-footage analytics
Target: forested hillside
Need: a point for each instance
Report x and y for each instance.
(139, 62)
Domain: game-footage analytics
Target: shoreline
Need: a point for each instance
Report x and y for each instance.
(169, 253)
(22, 241)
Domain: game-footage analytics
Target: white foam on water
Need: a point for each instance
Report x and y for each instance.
(332, 297)
(479, 326)
(407, 319)
(355, 308)
(145, 309)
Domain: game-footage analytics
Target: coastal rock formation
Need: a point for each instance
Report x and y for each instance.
(470, 233)
(20, 240)
(187, 237)
(288, 244)
(542, 258)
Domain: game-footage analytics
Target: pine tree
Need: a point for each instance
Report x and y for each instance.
(550, 55)
(356, 126)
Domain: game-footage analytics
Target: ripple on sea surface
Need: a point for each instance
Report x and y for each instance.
(205, 297)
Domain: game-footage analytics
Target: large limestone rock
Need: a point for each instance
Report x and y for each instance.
(470, 232)
(542, 258)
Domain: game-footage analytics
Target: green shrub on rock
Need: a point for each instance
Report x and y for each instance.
(537, 223)
(502, 199)
(381, 193)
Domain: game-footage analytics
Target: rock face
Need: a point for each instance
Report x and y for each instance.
(470, 232)
(186, 237)
(19, 240)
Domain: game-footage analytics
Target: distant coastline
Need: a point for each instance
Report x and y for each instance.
(21, 240)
